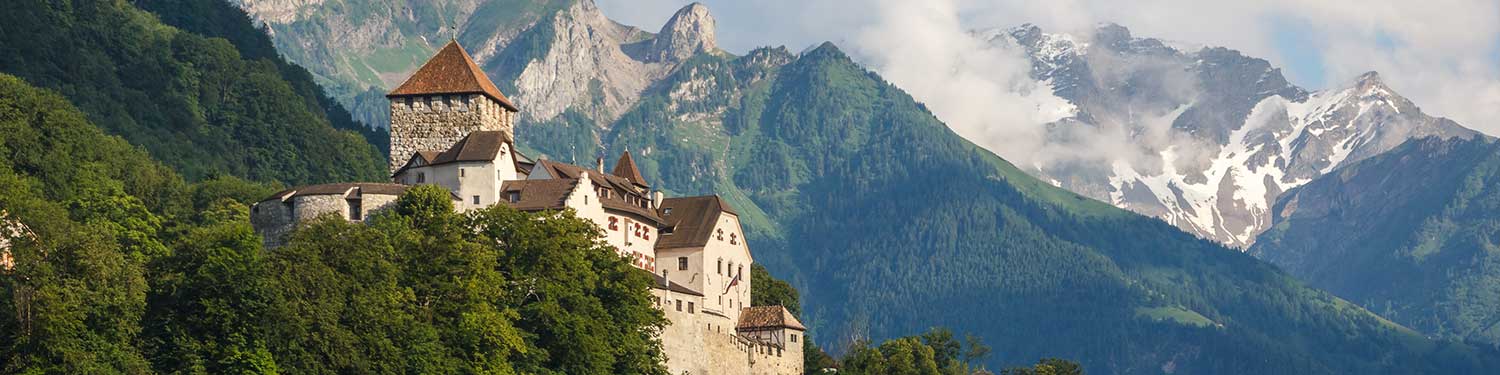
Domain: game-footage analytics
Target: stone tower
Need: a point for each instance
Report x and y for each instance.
(445, 100)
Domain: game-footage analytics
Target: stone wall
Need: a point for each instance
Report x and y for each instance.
(435, 123)
(705, 343)
(274, 219)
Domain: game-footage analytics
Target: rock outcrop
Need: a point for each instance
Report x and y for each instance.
(689, 32)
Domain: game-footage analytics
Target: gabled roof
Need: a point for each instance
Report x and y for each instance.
(618, 185)
(626, 168)
(768, 317)
(692, 220)
(451, 71)
(536, 195)
(354, 188)
(481, 145)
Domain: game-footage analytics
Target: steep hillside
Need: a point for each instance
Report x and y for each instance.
(1205, 138)
(890, 223)
(194, 103)
(894, 224)
(1408, 234)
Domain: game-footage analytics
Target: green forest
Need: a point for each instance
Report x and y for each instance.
(132, 270)
(204, 106)
(1411, 233)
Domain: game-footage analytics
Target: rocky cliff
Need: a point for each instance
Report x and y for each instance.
(1206, 138)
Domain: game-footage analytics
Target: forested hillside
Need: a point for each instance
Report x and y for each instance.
(1409, 234)
(130, 270)
(890, 223)
(195, 103)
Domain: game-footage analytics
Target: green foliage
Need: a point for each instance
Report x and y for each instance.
(933, 353)
(888, 222)
(1047, 366)
(1409, 234)
(193, 102)
(124, 269)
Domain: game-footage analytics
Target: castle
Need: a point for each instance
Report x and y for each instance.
(451, 127)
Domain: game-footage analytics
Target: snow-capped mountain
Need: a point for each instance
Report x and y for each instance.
(1204, 138)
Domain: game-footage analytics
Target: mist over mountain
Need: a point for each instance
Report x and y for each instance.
(1205, 138)
(886, 219)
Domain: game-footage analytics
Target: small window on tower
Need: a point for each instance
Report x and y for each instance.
(476, 199)
(682, 263)
(462, 172)
(354, 209)
(690, 307)
(794, 337)
(721, 267)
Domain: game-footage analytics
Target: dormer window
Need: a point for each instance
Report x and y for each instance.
(666, 211)
(515, 197)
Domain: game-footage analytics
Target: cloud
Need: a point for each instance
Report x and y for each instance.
(1440, 53)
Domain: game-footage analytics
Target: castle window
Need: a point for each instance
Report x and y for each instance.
(462, 172)
(794, 337)
(682, 263)
(421, 177)
(721, 267)
(354, 209)
(408, 103)
(741, 272)
(476, 199)
(679, 305)
(690, 307)
(515, 197)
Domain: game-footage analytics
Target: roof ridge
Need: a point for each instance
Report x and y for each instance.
(626, 168)
(451, 71)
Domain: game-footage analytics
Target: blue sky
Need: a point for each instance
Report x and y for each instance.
(1442, 54)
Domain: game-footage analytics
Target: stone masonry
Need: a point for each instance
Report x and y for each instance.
(436, 122)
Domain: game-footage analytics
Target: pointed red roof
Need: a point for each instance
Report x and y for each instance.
(626, 168)
(451, 71)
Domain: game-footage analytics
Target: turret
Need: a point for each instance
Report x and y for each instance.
(445, 100)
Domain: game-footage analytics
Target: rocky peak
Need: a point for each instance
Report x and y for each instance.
(688, 33)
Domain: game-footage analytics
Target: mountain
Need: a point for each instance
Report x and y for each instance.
(1408, 234)
(1210, 137)
(889, 223)
(193, 102)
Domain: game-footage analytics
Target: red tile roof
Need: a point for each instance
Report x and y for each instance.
(756, 318)
(451, 71)
(626, 168)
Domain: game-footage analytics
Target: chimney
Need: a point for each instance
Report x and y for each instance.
(599, 164)
(666, 282)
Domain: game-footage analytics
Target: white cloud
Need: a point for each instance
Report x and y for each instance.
(1439, 53)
